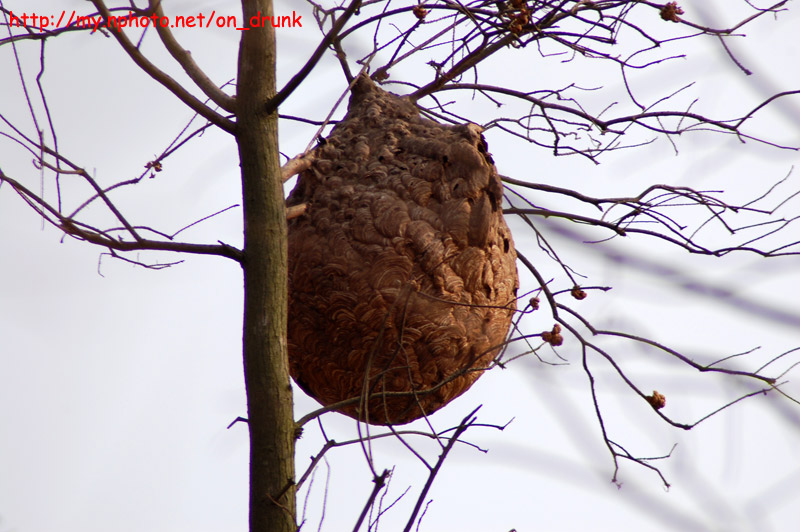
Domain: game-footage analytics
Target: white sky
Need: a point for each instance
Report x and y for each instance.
(115, 390)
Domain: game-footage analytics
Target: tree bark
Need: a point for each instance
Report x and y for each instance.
(269, 393)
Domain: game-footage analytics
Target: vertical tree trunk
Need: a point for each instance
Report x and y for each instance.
(269, 395)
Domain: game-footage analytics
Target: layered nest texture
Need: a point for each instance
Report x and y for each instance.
(402, 271)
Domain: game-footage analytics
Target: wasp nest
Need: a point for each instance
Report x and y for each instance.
(402, 271)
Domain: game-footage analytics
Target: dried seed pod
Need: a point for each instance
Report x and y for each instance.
(553, 337)
(670, 12)
(578, 293)
(657, 400)
(402, 271)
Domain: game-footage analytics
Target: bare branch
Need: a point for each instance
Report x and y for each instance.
(465, 424)
(306, 69)
(161, 77)
(379, 481)
(184, 58)
(95, 236)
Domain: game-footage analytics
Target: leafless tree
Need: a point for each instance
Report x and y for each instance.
(451, 59)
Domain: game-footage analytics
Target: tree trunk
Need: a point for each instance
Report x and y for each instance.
(269, 393)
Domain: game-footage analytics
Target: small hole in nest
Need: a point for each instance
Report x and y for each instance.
(492, 200)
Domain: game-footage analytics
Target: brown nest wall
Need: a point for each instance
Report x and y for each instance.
(402, 271)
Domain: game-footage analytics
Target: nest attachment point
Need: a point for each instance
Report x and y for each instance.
(402, 271)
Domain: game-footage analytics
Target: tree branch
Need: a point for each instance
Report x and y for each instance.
(95, 236)
(184, 58)
(274, 102)
(161, 77)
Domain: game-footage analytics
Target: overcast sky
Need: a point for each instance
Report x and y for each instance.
(117, 383)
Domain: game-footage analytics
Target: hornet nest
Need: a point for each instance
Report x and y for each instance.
(402, 271)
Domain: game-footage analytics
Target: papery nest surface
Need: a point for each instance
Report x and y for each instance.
(402, 271)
